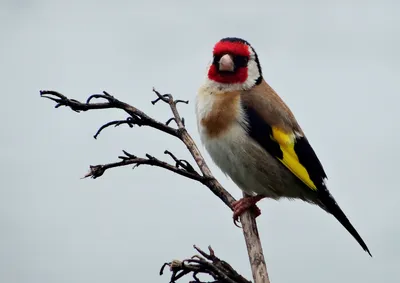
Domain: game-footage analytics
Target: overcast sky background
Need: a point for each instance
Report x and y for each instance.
(335, 63)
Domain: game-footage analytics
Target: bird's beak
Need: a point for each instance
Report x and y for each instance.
(226, 63)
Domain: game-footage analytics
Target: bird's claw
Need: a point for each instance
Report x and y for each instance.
(236, 221)
(240, 206)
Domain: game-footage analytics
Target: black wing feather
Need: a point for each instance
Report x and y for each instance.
(261, 132)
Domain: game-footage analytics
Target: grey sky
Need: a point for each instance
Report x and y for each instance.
(336, 64)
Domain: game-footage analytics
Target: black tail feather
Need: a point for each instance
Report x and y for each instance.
(333, 208)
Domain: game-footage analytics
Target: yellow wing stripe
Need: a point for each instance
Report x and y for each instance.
(290, 159)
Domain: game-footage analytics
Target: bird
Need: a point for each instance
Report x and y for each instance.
(255, 139)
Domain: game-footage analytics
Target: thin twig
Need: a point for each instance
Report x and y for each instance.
(129, 121)
(206, 264)
(96, 171)
(111, 102)
(181, 162)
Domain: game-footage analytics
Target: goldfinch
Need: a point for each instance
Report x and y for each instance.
(254, 138)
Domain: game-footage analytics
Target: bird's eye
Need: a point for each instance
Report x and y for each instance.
(216, 59)
(240, 61)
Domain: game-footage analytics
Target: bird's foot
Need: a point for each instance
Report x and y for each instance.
(244, 204)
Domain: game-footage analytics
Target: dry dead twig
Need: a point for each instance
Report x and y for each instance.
(208, 264)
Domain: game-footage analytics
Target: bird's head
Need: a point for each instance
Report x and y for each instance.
(235, 65)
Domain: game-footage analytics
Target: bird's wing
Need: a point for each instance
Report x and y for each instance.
(271, 124)
(291, 148)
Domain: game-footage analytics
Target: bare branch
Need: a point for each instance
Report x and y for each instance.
(112, 102)
(181, 162)
(96, 171)
(181, 101)
(207, 264)
(182, 167)
(130, 121)
(169, 121)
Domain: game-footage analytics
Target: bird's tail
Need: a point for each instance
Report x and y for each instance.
(331, 206)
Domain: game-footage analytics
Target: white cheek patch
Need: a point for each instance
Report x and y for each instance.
(253, 72)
